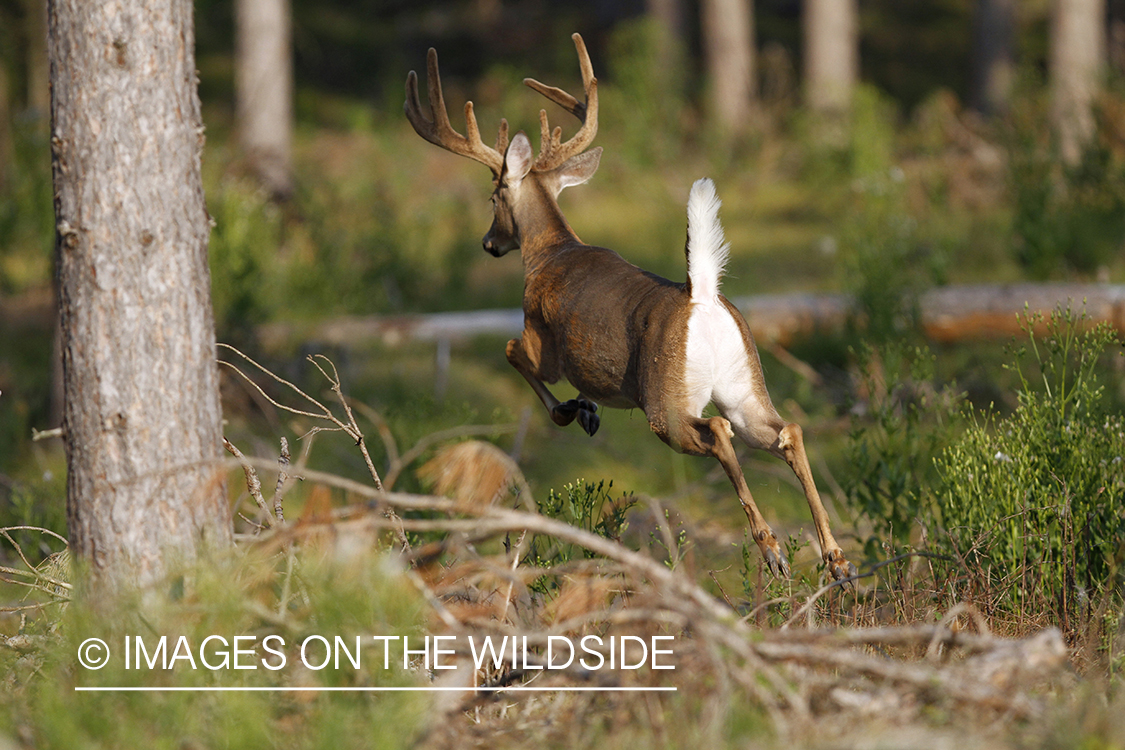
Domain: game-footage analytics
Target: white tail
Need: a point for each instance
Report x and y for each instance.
(707, 249)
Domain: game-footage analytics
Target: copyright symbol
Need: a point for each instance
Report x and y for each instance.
(93, 653)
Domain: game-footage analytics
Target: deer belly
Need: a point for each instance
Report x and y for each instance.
(716, 363)
(601, 381)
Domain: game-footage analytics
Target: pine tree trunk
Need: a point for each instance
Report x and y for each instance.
(1078, 50)
(142, 413)
(994, 24)
(728, 41)
(831, 52)
(264, 90)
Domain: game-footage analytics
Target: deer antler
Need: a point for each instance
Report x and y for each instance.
(439, 132)
(552, 153)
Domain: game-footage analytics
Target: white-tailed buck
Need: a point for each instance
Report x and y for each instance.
(622, 336)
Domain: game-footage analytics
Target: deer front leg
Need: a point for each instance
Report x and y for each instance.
(711, 437)
(562, 413)
(791, 447)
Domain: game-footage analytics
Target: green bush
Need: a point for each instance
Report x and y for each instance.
(897, 430)
(587, 506)
(1065, 219)
(1033, 504)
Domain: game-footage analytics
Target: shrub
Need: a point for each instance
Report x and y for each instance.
(1033, 504)
(898, 429)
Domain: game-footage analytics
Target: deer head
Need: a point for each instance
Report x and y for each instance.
(525, 190)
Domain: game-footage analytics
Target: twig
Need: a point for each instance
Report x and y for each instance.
(843, 581)
(37, 435)
(282, 478)
(253, 484)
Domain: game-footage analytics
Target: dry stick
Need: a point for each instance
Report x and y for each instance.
(925, 678)
(351, 428)
(253, 484)
(32, 571)
(282, 478)
(40, 529)
(724, 626)
(354, 430)
(516, 554)
(843, 581)
(390, 445)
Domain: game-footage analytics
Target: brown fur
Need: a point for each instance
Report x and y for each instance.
(617, 333)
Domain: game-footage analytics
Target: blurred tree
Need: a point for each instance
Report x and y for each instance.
(1077, 63)
(264, 91)
(38, 73)
(142, 414)
(5, 131)
(994, 24)
(728, 45)
(831, 50)
(669, 18)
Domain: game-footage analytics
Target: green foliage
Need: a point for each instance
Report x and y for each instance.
(896, 433)
(246, 252)
(27, 215)
(1065, 219)
(1034, 503)
(887, 262)
(779, 592)
(644, 106)
(587, 506)
(250, 597)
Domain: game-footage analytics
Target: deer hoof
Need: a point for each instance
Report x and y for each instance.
(565, 413)
(839, 566)
(589, 421)
(776, 562)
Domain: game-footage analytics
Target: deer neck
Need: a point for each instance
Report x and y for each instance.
(542, 226)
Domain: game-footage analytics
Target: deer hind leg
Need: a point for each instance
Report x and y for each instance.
(711, 437)
(757, 423)
(562, 412)
(790, 446)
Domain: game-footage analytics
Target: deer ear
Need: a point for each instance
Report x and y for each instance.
(579, 169)
(517, 162)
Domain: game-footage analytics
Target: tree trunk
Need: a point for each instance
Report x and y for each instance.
(994, 64)
(669, 18)
(728, 41)
(38, 71)
(831, 39)
(264, 90)
(5, 131)
(1078, 50)
(142, 417)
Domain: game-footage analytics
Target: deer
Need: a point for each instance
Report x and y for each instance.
(622, 336)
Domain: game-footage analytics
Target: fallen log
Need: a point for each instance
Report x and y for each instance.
(952, 313)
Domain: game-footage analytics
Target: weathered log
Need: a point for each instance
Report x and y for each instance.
(952, 313)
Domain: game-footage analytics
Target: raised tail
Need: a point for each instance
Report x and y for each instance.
(707, 249)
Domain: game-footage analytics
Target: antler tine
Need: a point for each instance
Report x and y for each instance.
(438, 130)
(502, 137)
(552, 153)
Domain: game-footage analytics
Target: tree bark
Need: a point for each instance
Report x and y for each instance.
(145, 490)
(728, 41)
(264, 91)
(831, 41)
(669, 18)
(994, 64)
(1078, 51)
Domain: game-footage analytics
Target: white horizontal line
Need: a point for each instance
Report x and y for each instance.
(324, 689)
